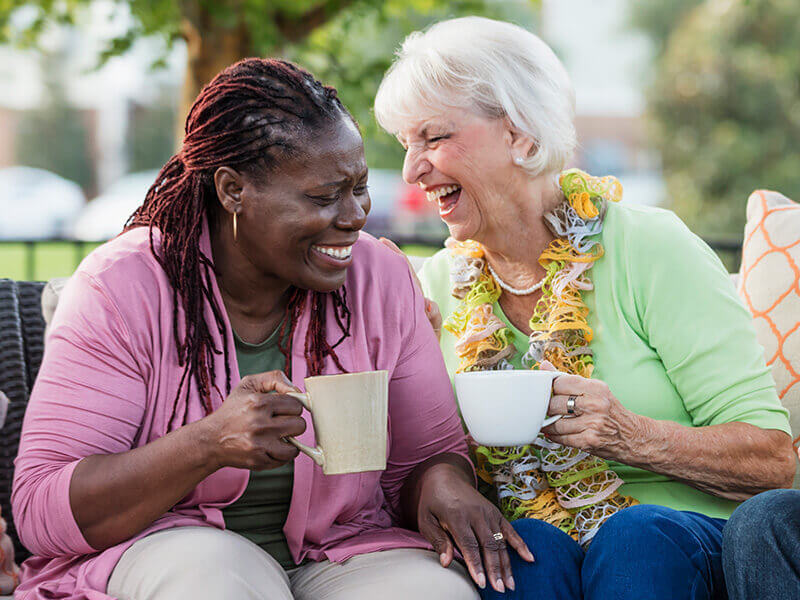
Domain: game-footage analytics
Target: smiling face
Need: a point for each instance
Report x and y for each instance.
(465, 163)
(298, 221)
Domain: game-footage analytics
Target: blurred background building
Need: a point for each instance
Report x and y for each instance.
(692, 103)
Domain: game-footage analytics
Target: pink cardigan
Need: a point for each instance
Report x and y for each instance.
(109, 378)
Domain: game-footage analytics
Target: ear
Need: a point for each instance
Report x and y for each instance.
(228, 183)
(520, 144)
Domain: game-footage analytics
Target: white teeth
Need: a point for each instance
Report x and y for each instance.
(340, 252)
(434, 195)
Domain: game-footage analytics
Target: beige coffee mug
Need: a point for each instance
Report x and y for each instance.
(350, 416)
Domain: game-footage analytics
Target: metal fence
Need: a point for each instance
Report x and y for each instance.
(33, 259)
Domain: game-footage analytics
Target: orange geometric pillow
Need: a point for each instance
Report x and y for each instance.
(770, 287)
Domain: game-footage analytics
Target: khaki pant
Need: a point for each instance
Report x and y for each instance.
(203, 563)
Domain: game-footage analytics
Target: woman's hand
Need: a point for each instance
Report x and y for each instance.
(248, 431)
(451, 509)
(599, 425)
(746, 459)
(431, 308)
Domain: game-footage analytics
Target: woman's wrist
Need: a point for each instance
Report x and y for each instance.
(642, 441)
(201, 435)
(437, 468)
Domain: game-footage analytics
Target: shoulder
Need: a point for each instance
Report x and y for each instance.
(374, 260)
(377, 270)
(646, 233)
(124, 269)
(637, 221)
(129, 250)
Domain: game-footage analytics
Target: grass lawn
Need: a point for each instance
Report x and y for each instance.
(59, 259)
(50, 259)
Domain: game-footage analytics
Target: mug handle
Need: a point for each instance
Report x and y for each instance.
(315, 454)
(551, 420)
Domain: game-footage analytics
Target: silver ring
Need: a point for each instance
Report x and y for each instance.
(571, 405)
(498, 537)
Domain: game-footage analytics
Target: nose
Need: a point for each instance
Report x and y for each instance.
(353, 212)
(415, 166)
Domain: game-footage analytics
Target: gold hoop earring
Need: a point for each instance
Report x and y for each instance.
(235, 228)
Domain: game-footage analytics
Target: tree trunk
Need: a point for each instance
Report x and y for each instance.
(210, 48)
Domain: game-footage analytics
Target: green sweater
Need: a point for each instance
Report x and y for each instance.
(671, 339)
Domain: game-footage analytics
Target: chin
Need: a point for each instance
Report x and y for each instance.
(328, 284)
(460, 231)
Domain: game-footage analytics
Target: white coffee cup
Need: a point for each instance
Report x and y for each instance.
(505, 408)
(350, 416)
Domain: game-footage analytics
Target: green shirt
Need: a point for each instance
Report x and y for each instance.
(261, 511)
(671, 339)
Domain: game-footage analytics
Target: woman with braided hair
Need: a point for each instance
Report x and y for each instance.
(672, 414)
(153, 462)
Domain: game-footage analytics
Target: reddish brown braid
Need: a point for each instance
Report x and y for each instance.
(250, 116)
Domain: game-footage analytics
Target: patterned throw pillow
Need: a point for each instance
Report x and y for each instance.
(770, 287)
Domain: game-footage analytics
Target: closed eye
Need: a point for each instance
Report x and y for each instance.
(324, 199)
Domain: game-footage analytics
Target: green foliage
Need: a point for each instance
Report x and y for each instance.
(350, 45)
(659, 19)
(726, 109)
(353, 51)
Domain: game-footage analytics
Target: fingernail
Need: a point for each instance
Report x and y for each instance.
(481, 580)
(499, 586)
(442, 558)
(528, 555)
(511, 583)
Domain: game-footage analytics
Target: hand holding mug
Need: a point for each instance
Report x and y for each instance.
(598, 422)
(249, 429)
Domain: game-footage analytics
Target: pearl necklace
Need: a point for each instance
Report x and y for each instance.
(512, 290)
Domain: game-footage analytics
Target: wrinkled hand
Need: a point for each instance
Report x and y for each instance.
(248, 430)
(431, 308)
(451, 510)
(600, 424)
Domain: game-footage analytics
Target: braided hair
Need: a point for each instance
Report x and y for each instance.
(249, 117)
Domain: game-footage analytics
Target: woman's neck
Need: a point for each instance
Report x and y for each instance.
(518, 236)
(255, 303)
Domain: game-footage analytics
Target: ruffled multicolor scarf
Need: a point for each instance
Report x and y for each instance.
(563, 486)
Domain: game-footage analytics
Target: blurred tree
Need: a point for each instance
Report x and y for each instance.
(54, 136)
(658, 19)
(220, 32)
(725, 109)
(151, 139)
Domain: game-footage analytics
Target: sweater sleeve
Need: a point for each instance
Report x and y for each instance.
(423, 419)
(88, 399)
(692, 317)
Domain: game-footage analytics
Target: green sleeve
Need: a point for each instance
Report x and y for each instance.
(690, 314)
(435, 278)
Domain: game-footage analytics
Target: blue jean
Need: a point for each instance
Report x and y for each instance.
(761, 547)
(642, 552)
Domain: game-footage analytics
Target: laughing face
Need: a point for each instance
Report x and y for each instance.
(299, 221)
(465, 164)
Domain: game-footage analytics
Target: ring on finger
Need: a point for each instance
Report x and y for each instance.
(571, 405)
(498, 537)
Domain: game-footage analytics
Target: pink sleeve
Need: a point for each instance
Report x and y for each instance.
(423, 418)
(88, 399)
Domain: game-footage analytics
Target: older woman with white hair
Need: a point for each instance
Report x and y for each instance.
(674, 418)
